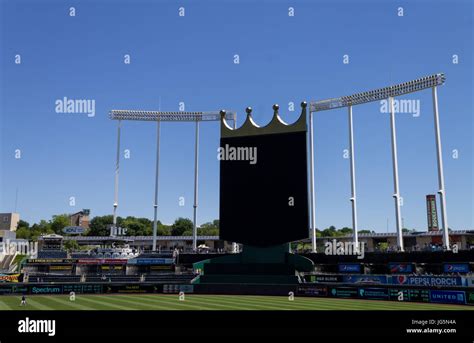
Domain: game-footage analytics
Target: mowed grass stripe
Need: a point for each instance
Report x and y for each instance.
(234, 304)
(66, 303)
(275, 303)
(105, 305)
(297, 303)
(250, 303)
(140, 301)
(4, 306)
(38, 303)
(211, 305)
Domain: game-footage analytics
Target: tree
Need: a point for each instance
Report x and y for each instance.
(366, 231)
(209, 229)
(71, 245)
(181, 226)
(138, 226)
(42, 228)
(164, 230)
(59, 222)
(99, 225)
(23, 224)
(345, 231)
(23, 233)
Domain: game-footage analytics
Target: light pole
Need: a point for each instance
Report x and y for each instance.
(439, 155)
(353, 199)
(311, 183)
(431, 81)
(160, 116)
(396, 191)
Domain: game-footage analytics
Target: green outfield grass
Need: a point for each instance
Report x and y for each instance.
(207, 302)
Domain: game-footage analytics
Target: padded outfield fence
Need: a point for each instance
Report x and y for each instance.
(459, 295)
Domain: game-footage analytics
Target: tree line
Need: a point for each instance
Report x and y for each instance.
(100, 226)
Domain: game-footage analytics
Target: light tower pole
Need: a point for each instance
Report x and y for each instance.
(353, 199)
(431, 81)
(159, 116)
(439, 155)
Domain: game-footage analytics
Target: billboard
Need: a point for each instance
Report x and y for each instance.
(9, 277)
(365, 279)
(315, 291)
(46, 289)
(448, 297)
(325, 278)
(401, 268)
(343, 292)
(349, 268)
(428, 281)
(150, 261)
(456, 267)
(431, 212)
(74, 230)
(374, 293)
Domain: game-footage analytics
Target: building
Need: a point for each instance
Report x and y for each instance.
(414, 241)
(80, 218)
(9, 221)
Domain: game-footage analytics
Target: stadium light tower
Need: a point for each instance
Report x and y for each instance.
(389, 93)
(160, 116)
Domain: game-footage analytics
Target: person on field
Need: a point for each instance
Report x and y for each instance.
(23, 300)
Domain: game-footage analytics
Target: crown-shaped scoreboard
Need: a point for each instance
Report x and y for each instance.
(264, 181)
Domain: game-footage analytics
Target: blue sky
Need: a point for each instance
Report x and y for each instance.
(191, 59)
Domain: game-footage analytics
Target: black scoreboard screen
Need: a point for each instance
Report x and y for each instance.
(264, 188)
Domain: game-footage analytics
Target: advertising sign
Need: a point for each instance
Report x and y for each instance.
(74, 230)
(102, 261)
(9, 277)
(349, 268)
(343, 292)
(315, 291)
(365, 279)
(374, 293)
(400, 268)
(46, 289)
(429, 281)
(51, 260)
(451, 297)
(329, 278)
(132, 288)
(418, 295)
(150, 261)
(456, 267)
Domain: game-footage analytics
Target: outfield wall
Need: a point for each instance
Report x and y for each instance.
(460, 295)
